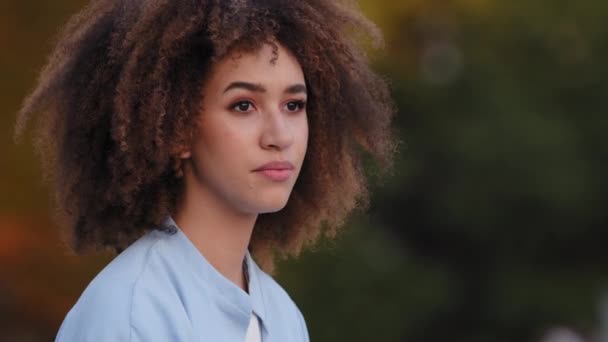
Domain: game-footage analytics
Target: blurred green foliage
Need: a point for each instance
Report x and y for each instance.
(493, 226)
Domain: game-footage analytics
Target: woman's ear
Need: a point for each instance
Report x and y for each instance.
(181, 151)
(178, 160)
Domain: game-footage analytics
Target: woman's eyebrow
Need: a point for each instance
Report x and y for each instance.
(246, 85)
(293, 89)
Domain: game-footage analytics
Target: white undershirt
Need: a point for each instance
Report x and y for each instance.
(253, 331)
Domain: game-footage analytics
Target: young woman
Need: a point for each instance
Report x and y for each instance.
(191, 136)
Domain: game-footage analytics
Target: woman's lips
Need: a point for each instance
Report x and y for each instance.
(275, 174)
(277, 171)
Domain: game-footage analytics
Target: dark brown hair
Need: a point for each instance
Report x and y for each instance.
(122, 87)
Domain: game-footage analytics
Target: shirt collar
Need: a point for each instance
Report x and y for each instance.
(231, 294)
(255, 291)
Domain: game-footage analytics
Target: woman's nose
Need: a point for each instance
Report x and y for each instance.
(276, 131)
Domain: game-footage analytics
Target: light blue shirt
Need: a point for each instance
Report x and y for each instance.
(161, 288)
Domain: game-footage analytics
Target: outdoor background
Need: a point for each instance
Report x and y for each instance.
(492, 229)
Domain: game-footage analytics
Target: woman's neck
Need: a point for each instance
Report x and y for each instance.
(218, 232)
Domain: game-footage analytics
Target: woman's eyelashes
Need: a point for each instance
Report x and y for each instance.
(295, 106)
(246, 106)
(242, 106)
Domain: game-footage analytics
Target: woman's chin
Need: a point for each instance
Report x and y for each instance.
(271, 204)
(272, 208)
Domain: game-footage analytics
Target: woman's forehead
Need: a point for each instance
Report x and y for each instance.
(265, 67)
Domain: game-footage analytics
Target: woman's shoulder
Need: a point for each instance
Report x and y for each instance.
(284, 308)
(103, 310)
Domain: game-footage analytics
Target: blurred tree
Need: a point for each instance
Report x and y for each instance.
(498, 202)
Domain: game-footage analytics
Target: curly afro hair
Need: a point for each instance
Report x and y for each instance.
(121, 89)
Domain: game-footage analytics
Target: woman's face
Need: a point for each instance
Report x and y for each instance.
(253, 113)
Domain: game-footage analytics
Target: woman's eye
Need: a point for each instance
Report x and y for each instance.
(295, 106)
(242, 106)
